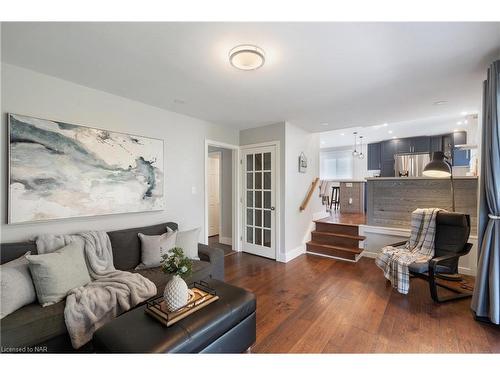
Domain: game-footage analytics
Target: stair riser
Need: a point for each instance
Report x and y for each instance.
(335, 241)
(337, 228)
(331, 252)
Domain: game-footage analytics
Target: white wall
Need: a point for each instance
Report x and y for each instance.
(33, 94)
(226, 198)
(295, 226)
(298, 224)
(273, 132)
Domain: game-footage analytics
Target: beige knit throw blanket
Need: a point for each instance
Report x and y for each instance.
(110, 293)
(394, 261)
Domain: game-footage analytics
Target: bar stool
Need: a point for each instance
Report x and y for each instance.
(335, 200)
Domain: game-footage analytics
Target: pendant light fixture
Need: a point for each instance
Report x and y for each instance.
(361, 155)
(355, 152)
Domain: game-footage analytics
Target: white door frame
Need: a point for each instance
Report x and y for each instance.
(277, 196)
(235, 191)
(219, 154)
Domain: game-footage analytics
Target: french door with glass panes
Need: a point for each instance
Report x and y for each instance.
(259, 215)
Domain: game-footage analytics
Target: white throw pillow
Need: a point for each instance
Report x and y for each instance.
(17, 289)
(55, 274)
(188, 241)
(154, 247)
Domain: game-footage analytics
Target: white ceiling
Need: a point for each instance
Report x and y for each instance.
(342, 74)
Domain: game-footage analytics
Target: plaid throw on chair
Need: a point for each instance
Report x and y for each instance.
(394, 261)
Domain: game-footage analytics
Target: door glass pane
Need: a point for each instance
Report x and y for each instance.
(267, 180)
(249, 180)
(258, 236)
(258, 218)
(258, 162)
(250, 198)
(267, 199)
(258, 180)
(267, 161)
(249, 234)
(258, 199)
(267, 219)
(267, 237)
(249, 162)
(249, 217)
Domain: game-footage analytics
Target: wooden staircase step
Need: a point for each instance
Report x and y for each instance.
(341, 235)
(337, 228)
(335, 251)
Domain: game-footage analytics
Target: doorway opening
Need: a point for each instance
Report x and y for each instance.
(220, 193)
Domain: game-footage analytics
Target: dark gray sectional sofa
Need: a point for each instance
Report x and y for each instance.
(44, 327)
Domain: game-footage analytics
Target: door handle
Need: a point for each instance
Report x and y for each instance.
(272, 208)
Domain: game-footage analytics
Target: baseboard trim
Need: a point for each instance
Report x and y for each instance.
(358, 257)
(298, 251)
(226, 240)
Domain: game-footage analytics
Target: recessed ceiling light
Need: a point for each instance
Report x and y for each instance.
(324, 123)
(179, 101)
(440, 102)
(393, 137)
(390, 131)
(342, 133)
(459, 122)
(247, 57)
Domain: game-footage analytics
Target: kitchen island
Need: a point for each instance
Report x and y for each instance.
(391, 200)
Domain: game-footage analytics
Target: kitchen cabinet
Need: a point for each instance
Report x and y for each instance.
(420, 144)
(388, 149)
(403, 145)
(436, 143)
(374, 156)
(387, 169)
(448, 145)
(459, 138)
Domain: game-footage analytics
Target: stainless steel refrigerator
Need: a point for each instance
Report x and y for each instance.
(411, 164)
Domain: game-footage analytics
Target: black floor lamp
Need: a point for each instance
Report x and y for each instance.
(438, 167)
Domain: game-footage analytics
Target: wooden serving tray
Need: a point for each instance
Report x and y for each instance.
(160, 312)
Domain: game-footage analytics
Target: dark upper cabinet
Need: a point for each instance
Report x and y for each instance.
(459, 138)
(436, 143)
(374, 156)
(388, 149)
(403, 145)
(420, 144)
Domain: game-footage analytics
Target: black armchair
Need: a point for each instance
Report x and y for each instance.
(452, 234)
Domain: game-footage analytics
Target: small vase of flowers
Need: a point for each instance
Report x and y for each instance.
(175, 263)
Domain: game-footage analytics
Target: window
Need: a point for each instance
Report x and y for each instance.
(336, 164)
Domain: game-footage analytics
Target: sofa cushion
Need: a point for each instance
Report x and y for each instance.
(153, 248)
(33, 324)
(127, 246)
(11, 251)
(55, 274)
(188, 242)
(17, 289)
(201, 271)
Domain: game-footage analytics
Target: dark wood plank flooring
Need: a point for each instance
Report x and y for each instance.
(319, 305)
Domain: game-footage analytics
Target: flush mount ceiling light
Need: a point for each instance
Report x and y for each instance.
(247, 57)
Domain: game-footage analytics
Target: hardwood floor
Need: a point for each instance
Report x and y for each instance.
(320, 305)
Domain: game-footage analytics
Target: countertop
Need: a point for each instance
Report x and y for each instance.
(421, 178)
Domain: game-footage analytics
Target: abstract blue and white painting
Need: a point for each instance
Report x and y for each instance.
(59, 170)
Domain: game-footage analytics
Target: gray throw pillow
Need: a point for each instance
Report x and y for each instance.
(188, 241)
(55, 274)
(17, 288)
(154, 247)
